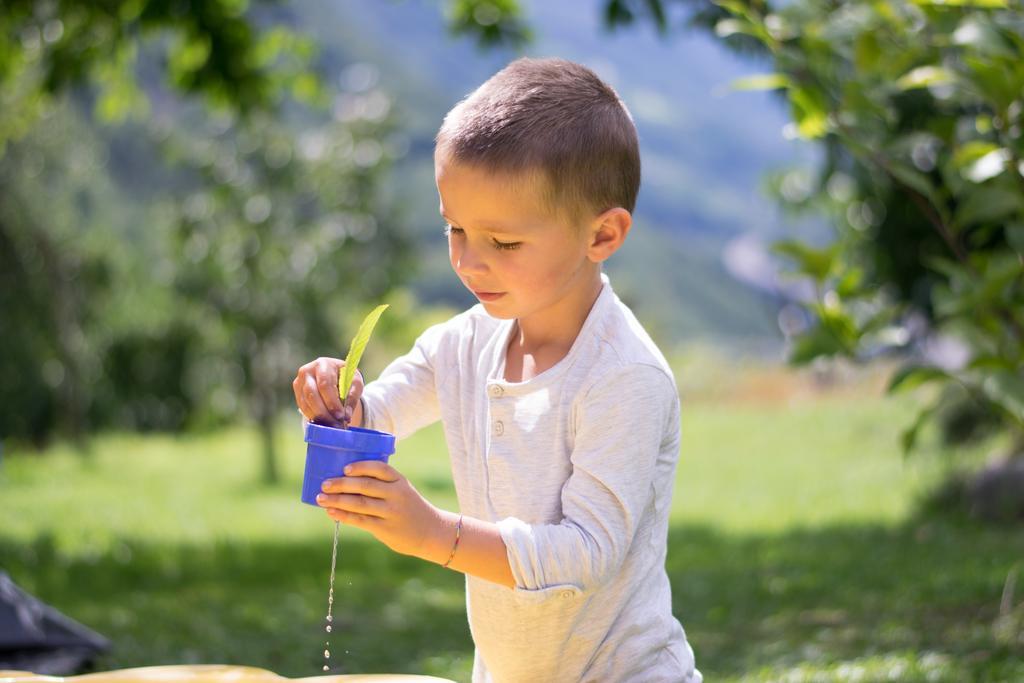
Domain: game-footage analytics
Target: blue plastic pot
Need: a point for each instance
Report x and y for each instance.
(329, 449)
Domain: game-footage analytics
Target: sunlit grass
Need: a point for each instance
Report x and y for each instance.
(764, 468)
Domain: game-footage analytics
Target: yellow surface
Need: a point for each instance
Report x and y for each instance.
(208, 673)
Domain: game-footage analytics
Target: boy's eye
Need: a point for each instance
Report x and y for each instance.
(505, 245)
(452, 230)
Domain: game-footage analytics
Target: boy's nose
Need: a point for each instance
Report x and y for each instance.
(467, 262)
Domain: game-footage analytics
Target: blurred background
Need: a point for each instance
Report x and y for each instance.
(198, 197)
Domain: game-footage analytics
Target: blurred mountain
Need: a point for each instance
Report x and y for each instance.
(704, 150)
(704, 147)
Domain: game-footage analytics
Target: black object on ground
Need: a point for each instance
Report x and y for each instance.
(36, 637)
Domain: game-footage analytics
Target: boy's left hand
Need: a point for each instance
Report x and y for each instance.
(374, 496)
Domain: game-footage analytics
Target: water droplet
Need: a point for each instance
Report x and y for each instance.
(330, 592)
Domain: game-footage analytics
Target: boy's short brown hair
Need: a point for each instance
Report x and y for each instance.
(554, 118)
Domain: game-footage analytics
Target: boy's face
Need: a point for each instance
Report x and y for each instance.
(505, 246)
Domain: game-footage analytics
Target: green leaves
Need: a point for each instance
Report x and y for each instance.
(988, 4)
(761, 82)
(1006, 389)
(840, 327)
(912, 376)
(985, 379)
(834, 335)
(918, 111)
(909, 436)
(810, 111)
(624, 12)
(817, 263)
(355, 351)
(980, 160)
(493, 22)
(988, 204)
(924, 76)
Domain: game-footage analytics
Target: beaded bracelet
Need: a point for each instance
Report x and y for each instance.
(458, 534)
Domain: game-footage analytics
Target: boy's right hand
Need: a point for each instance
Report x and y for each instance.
(316, 394)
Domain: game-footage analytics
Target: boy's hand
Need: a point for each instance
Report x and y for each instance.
(316, 394)
(374, 496)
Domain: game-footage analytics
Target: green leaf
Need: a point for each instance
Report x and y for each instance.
(1015, 236)
(990, 362)
(306, 88)
(1006, 390)
(984, 4)
(734, 7)
(658, 13)
(355, 351)
(970, 152)
(815, 342)
(924, 76)
(810, 112)
(840, 325)
(988, 166)
(993, 80)
(916, 180)
(867, 51)
(850, 283)
(953, 270)
(814, 262)
(618, 14)
(988, 204)
(761, 82)
(912, 376)
(191, 53)
(908, 439)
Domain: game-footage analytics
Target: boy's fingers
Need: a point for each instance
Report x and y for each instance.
(314, 407)
(372, 468)
(372, 507)
(354, 392)
(354, 519)
(327, 371)
(364, 486)
(299, 389)
(302, 396)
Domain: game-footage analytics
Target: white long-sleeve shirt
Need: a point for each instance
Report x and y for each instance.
(576, 466)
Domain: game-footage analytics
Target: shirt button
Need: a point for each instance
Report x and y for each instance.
(499, 427)
(496, 390)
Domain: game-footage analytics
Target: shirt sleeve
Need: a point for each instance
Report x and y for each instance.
(622, 423)
(404, 398)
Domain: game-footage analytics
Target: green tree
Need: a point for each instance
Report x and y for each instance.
(281, 237)
(917, 107)
(49, 191)
(54, 278)
(258, 241)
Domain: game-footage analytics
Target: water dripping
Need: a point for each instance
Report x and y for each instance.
(330, 597)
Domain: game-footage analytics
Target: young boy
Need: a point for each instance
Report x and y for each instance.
(560, 414)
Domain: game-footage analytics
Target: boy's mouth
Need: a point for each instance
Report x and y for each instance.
(488, 296)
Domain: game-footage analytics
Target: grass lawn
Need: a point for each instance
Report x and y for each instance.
(796, 553)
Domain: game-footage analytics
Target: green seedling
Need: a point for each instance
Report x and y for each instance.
(355, 351)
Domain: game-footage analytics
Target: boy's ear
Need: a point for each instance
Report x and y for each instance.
(607, 233)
